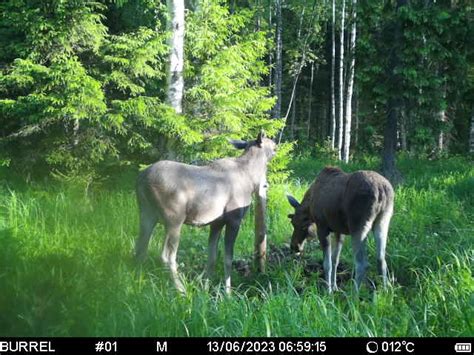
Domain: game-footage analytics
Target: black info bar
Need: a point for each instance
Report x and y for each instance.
(353, 346)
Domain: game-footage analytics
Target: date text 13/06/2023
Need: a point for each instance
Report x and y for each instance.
(264, 346)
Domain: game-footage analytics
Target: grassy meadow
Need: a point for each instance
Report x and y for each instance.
(66, 266)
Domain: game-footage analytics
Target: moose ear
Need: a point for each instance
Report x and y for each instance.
(238, 143)
(293, 201)
(260, 137)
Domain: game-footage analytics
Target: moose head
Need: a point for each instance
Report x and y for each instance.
(267, 145)
(301, 225)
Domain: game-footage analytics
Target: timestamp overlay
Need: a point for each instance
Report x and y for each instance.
(353, 346)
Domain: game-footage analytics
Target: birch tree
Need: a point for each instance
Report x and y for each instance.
(333, 67)
(176, 58)
(471, 136)
(278, 60)
(270, 54)
(441, 116)
(350, 87)
(394, 104)
(310, 102)
(341, 83)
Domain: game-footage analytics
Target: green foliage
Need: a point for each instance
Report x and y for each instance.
(278, 167)
(51, 99)
(303, 34)
(132, 61)
(83, 83)
(225, 67)
(50, 103)
(42, 30)
(432, 68)
(79, 100)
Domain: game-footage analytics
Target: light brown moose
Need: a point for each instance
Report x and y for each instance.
(217, 194)
(345, 204)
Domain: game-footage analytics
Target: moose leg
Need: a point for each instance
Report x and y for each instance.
(359, 251)
(147, 223)
(336, 252)
(381, 232)
(325, 242)
(214, 236)
(231, 231)
(168, 255)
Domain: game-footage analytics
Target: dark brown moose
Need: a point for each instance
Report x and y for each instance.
(345, 204)
(217, 194)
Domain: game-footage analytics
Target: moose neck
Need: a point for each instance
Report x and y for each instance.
(254, 163)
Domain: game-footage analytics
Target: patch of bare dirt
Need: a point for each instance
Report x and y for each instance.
(278, 256)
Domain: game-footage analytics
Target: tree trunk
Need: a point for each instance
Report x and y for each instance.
(471, 136)
(356, 116)
(175, 75)
(75, 133)
(258, 20)
(292, 97)
(293, 112)
(333, 65)
(322, 124)
(389, 169)
(278, 60)
(270, 54)
(441, 116)
(350, 87)
(310, 103)
(441, 136)
(341, 84)
(403, 131)
(293, 118)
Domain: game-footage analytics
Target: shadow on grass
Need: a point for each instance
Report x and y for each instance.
(35, 289)
(57, 293)
(463, 190)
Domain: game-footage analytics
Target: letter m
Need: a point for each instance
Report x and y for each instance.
(161, 347)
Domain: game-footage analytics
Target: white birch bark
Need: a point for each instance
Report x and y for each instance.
(270, 54)
(176, 58)
(341, 84)
(333, 70)
(350, 87)
(310, 103)
(278, 60)
(442, 118)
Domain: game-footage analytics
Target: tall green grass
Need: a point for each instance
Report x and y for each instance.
(66, 267)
